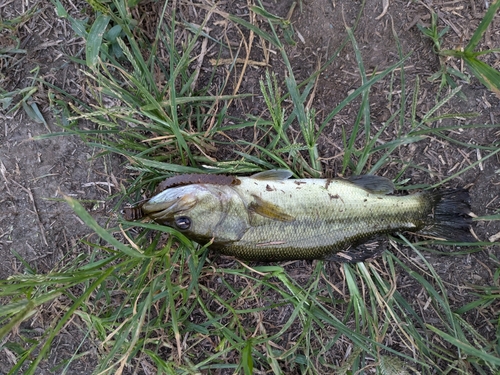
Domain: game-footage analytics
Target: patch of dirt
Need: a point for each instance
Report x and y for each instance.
(36, 223)
(43, 230)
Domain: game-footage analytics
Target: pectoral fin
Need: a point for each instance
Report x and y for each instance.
(374, 184)
(269, 210)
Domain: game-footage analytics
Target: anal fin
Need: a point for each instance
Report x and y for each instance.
(361, 252)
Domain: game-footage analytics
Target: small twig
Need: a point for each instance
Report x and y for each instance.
(102, 183)
(313, 94)
(28, 191)
(199, 62)
(239, 60)
(3, 170)
(495, 237)
(248, 49)
(385, 6)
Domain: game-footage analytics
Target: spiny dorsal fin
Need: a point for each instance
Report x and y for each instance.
(193, 178)
(268, 209)
(273, 174)
(374, 184)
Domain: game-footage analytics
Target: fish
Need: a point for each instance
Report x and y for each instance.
(270, 217)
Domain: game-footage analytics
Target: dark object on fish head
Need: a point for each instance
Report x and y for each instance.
(133, 213)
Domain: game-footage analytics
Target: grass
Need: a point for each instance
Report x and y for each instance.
(152, 299)
(486, 74)
(12, 56)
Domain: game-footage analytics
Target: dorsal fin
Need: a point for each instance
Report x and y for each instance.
(273, 174)
(190, 179)
(374, 184)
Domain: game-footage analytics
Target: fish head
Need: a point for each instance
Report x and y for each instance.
(199, 211)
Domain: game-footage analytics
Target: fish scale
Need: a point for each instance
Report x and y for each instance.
(322, 225)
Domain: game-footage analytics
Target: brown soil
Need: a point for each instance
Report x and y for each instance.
(39, 228)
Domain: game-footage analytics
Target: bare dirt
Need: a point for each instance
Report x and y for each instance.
(37, 227)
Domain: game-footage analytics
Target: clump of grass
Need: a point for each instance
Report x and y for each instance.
(153, 299)
(486, 74)
(159, 126)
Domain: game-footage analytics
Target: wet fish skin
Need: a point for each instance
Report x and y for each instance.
(268, 217)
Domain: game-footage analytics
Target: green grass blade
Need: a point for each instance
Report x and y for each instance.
(359, 91)
(94, 40)
(21, 315)
(466, 347)
(483, 26)
(272, 39)
(105, 235)
(64, 319)
(246, 358)
(487, 217)
(488, 76)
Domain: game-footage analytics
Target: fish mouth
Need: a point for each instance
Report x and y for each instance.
(165, 210)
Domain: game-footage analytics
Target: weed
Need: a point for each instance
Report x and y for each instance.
(486, 74)
(11, 58)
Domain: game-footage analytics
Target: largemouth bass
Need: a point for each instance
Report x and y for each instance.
(269, 217)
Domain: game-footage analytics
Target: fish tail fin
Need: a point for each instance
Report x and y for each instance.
(450, 217)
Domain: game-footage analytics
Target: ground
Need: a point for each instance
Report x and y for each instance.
(39, 230)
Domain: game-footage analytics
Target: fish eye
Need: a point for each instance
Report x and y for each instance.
(183, 222)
